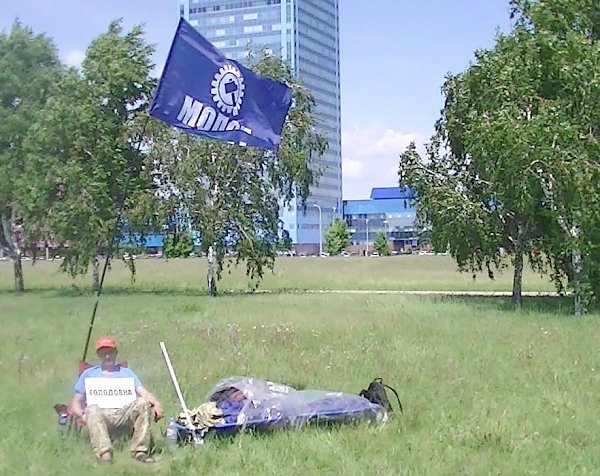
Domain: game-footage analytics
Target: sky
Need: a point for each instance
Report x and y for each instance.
(394, 56)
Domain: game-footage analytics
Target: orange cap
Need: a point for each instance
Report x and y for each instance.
(106, 342)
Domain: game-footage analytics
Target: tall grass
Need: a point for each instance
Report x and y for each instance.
(486, 390)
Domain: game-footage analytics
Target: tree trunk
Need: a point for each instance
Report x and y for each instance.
(18, 268)
(574, 233)
(96, 274)
(577, 272)
(517, 288)
(210, 273)
(518, 280)
(9, 240)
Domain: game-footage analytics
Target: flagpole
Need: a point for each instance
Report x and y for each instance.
(281, 95)
(113, 239)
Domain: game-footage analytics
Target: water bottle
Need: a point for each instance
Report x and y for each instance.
(172, 434)
(63, 418)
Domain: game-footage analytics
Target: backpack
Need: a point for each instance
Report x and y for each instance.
(376, 394)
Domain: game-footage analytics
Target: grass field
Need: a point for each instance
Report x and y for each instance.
(486, 390)
(408, 272)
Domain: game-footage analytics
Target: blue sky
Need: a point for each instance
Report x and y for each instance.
(394, 56)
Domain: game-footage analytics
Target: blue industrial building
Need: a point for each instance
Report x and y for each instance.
(390, 210)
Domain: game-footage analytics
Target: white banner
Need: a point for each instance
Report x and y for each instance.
(109, 392)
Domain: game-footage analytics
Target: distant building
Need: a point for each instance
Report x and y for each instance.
(389, 210)
(304, 33)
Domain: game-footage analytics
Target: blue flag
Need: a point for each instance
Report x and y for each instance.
(204, 93)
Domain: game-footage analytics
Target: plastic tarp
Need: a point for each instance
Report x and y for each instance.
(248, 402)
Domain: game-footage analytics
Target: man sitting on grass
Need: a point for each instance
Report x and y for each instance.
(110, 399)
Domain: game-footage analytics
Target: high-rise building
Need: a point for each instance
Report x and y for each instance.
(304, 33)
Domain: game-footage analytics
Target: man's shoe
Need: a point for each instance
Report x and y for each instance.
(143, 457)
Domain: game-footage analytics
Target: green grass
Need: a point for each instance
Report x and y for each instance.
(486, 390)
(398, 272)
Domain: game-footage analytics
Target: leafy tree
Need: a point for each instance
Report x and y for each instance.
(170, 247)
(337, 236)
(285, 242)
(86, 153)
(381, 244)
(474, 191)
(178, 246)
(506, 167)
(565, 147)
(29, 68)
(185, 245)
(231, 194)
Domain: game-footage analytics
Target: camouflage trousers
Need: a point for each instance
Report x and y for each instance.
(105, 423)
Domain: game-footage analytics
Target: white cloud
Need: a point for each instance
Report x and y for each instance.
(370, 159)
(74, 58)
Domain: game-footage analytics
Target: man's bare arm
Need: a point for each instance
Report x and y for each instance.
(158, 410)
(77, 405)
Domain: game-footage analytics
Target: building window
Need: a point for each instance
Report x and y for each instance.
(250, 16)
(220, 32)
(253, 29)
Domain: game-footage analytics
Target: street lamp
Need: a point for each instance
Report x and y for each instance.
(385, 229)
(320, 230)
(367, 247)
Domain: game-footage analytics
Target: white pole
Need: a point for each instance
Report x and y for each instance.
(367, 250)
(188, 419)
(320, 231)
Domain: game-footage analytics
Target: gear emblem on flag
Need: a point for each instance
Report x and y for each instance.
(228, 89)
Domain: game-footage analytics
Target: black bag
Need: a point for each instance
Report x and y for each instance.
(376, 394)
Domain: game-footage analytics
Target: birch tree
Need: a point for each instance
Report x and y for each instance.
(85, 155)
(231, 195)
(514, 161)
(29, 68)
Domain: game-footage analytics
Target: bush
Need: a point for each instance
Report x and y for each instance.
(381, 244)
(178, 246)
(337, 237)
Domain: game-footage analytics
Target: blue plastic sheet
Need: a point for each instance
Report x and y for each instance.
(252, 403)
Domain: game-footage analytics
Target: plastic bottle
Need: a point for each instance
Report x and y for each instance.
(63, 418)
(172, 433)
